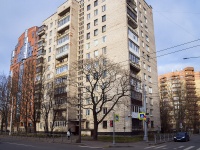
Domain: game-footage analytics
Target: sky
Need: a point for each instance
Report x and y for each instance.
(175, 22)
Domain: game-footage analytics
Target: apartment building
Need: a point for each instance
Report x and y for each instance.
(23, 74)
(120, 30)
(178, 91)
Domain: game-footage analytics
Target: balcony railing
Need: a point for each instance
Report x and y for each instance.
(63, 23)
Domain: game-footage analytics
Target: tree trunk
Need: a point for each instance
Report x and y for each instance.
(95, 133)
(34, 127)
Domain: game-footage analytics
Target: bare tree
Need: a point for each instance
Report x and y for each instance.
(5, 85)
(105, 84)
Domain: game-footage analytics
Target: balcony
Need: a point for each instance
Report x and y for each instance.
(63, 41)
(134, 66)
(63, 23)
(41, 30)
(41, 52)
(131, 3)
(132, 19)
(190, 78)
(41, 43)
(135, 76)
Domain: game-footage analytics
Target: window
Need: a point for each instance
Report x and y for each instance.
(142, 34)
(61, 69)
(88, 16)
(96, 53)
(49, 49)
(104, 73)
(145, 11)
(95, 3)
(151, 112)
(49, 58)
(145, 76)
(95, 76)
(145, 19)
(142, 44)
(150, 90)
(144, 65)
(146, 28)
(87, 78)
(152, 124)
(88, 7)
(48, 76)
(147, 48)
(148, 58)
(88, 35)
(96, 32)
(51, 24)
(50, 33)
(133, 47)
(149, 68)
(87, 45)
(147, 38)
(104, 110)
(104, 39)
(103, 18)
(95, 12)
(50, 40)
(141, 23)
(88, 55)
(104, 50)
(151, 101)
(149, 79)
(87, 112)
(95, 22)
(96, 42)
(133, 58)
(103, 8)
(104, 28)
(132, 35)
(88, 26)
(105, 124)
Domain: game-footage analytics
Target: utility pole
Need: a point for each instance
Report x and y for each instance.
(145, 111)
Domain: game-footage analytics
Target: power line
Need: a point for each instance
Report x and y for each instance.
(176, 51)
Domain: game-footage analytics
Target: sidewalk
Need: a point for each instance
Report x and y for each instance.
(100, 144)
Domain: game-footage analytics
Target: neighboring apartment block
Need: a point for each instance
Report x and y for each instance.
(120, 30)
(23, 66)
(179, 92)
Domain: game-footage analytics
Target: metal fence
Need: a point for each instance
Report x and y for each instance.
(160, 138)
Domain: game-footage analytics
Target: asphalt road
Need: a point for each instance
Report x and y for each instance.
(23, 144)
(193, 144)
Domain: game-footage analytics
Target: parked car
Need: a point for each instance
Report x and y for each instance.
(181, 136)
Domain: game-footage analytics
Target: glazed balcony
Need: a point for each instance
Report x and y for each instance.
(41, 30)
(135, 76)
(132, 19)
(62, 41)
(63, 23)
(131, 3)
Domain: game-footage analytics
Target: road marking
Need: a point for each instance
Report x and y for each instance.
(20, 144)
(181, 146)
(160, 147)
(188, 148)
(149, 147)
